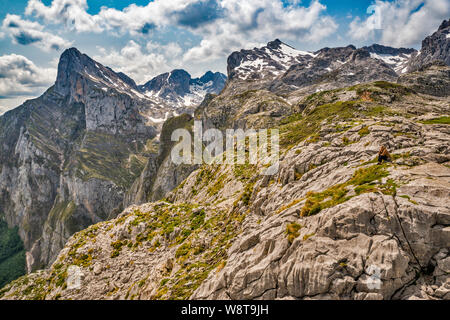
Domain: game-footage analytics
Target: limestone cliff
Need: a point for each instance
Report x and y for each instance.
(69, 156)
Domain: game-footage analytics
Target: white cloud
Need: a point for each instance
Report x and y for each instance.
(21, 77)
(250, 23)
(3, 109)
(402, 22)
(7, 104)
(26, 32)
(70, 12)
(131, 19)
(142, 63)
(223, 25)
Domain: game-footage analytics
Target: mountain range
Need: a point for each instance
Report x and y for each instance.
(177, 88)
(86, 177)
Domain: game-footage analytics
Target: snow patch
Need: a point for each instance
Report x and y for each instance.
(395, 61)
(289, 51)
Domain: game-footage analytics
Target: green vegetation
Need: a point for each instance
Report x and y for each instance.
(108, 157)
(307, 236)
(197, 219)
(373, 91)
(117, 246)
(248, 190)
(319, 97)
(309, 125)
(364, 132)
(409, 199)
(12, 254)
(387, 85)
(298, 128)
(364, 180)
(183, 250)
(346, 141)
(290, 205)
(441, 120)
(292, 231)
(196, 260)
(244, 172)
(217, 186)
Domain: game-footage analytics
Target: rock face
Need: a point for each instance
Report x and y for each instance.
(179, 90)
(434, 47)
(329, 224)
(70, 158)
(160, 174)
(54, 181)
(433, 79)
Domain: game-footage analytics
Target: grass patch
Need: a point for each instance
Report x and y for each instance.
(441, 120)
(117, 246)
(292, 231)
(364, 132)
(364, 182)
(409, 199)
(308, 125)
(12, 254)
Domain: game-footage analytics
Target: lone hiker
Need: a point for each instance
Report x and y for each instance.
(383, 155)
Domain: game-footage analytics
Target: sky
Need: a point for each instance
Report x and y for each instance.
(145, 38)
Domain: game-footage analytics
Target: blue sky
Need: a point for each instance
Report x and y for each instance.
(145, 38)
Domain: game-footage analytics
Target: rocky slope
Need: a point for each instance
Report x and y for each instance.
(331, 223)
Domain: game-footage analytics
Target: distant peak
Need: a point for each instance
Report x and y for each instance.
(211, 76)
(74, 65)
(180, 72)
(71, 52)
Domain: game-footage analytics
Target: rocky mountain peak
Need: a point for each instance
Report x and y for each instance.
(396, 58)
(77, 72)
(211, 76)
(264, 63)
(71, 62)
(338, 54)
(359, 54)
(126, 79)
